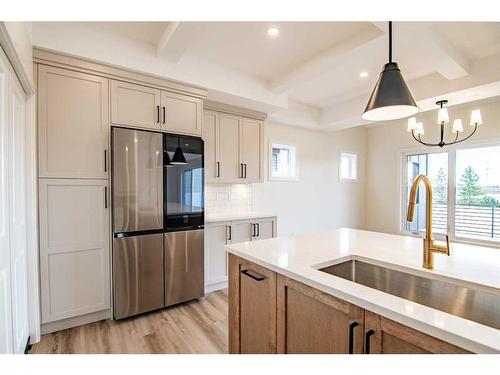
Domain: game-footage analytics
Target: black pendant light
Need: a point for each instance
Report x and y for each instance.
(178, 158)
(391, 99)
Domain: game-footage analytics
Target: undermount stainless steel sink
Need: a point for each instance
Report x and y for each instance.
(468, 303)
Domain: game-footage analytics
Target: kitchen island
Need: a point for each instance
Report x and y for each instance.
(282, 298)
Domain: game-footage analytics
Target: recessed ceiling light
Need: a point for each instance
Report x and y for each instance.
(273, 32)
(363, 74)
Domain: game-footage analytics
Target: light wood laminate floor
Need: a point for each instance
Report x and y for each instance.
(194, 327)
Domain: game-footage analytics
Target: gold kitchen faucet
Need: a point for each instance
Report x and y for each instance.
(429, 246)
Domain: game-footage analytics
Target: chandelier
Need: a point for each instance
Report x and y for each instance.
(417, 128)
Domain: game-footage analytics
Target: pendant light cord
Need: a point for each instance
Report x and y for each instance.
(390, 41)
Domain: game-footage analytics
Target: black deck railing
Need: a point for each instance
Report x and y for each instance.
(470, 220)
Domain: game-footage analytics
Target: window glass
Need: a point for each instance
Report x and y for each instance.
(477, 209)
(435, 167)
(348, 167)
(283, 162)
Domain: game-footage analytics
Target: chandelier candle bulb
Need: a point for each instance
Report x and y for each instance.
(419, 128)
(443, 117)
(475, 117)
(412, 124)
(457, 126)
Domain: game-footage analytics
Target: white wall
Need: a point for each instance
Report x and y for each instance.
(317, 200)
(387, 141)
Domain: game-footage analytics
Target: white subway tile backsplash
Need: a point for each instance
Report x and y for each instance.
(228, 199)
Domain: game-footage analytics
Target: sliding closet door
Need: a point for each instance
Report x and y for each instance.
(5, 285)
(18, 259)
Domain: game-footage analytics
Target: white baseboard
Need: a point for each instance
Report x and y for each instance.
(217, 286)
(59, 325)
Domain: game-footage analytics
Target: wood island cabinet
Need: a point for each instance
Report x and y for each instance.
(385, 336)
(310, 321)
(271, 313)
(252, 308)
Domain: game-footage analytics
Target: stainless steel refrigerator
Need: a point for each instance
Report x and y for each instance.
(158, 215)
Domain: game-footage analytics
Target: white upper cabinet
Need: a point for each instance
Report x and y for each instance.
(228, 143)
(181, 114)
(211, 139)
(72, 124)
(135, 105)
(251, 149)
(233, 148)
(152, 108)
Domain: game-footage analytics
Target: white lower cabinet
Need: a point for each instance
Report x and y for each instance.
(264, 229)
(219, 234)
(74, 247)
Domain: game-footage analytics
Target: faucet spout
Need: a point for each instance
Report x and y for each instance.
(429, 246)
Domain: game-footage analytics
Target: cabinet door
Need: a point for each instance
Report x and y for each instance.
(252, 308)
(18, 252)
(241, 231)
(74, 247)
(385, 336)
(135, 105)
(230, 167)
(251, 149)
(310, 321)
(73, 124)
(6, 345)
(211, 139)
(215, 254)
(181, 113)
(264, 229)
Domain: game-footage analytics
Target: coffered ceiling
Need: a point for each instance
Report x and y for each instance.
(307, 75)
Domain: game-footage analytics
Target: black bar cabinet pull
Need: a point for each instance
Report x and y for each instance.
(258, 229)
(351, 336)
(230, 233)
(245, 170)
(253, 230)
(241, 170)
(218, 169)
(253, 275)
(158, 113)
(163, 114)
(105, 160)
(105, 197)
(368, 334)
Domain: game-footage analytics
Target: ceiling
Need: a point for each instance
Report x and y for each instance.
(308, 75)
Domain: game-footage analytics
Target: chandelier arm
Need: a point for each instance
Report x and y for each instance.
(419, 140)
(466, 138)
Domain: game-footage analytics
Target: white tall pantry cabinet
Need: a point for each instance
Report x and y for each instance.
(73, 131)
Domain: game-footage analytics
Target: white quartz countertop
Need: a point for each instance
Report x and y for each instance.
(300, 257)
(214, 218)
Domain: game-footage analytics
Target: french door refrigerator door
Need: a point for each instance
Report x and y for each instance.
(137, 180)
(184, 271)
(137, 274)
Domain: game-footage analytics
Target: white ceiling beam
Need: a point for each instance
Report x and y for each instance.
(440, 53)
(322, 63)
(176, 39)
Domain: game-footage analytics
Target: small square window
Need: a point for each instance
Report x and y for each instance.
(282, 162)
(348, 167)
